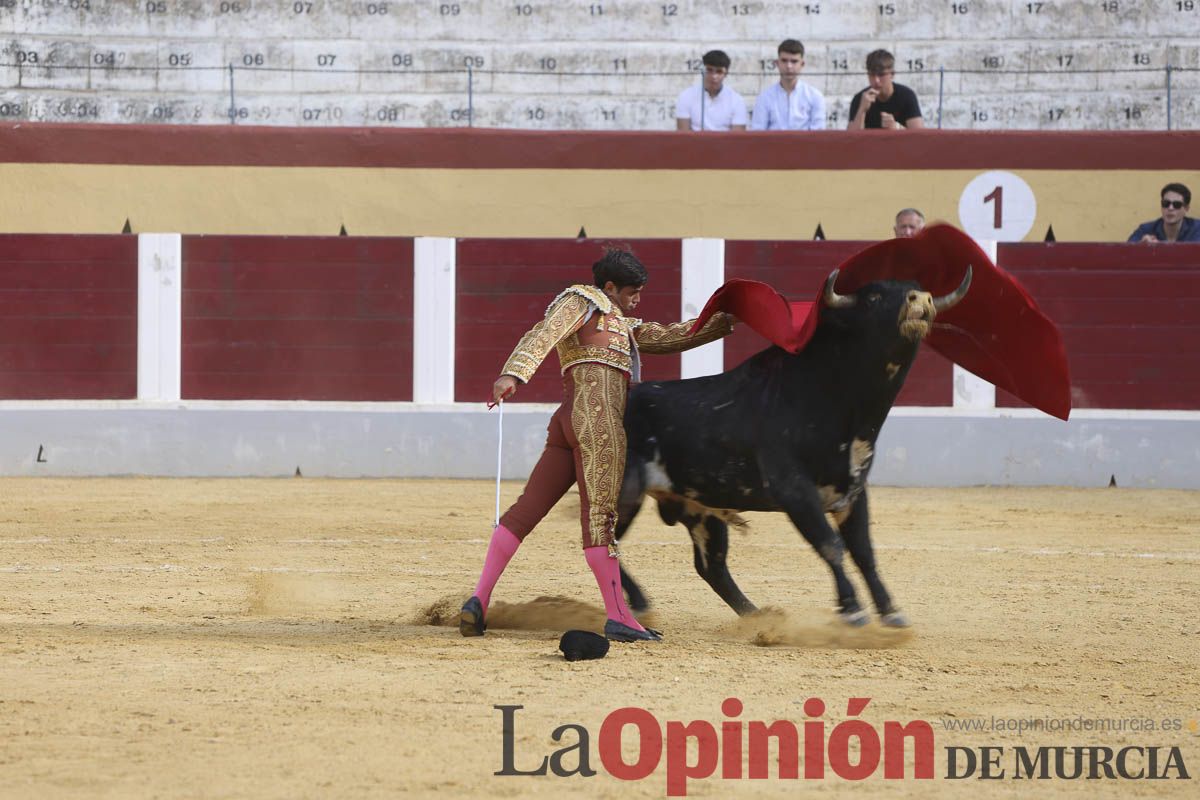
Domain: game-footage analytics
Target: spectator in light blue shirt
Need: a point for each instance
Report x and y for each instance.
(790, 104)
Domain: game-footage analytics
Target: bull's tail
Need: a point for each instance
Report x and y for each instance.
(633, 489)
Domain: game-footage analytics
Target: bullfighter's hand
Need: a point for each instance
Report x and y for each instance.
(504, 388)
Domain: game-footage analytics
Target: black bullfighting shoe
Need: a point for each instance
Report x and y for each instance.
(620, 632)
(470, 619)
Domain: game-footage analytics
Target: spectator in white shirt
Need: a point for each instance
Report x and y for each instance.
(790, 104)
(715, 107)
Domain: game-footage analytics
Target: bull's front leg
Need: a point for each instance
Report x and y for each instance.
(856, 531)
(799, 498)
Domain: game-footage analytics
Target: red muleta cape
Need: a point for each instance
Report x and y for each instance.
(997, 331)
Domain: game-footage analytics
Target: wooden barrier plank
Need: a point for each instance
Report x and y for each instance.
(297, 318)
(1128, 315)
(68, 316)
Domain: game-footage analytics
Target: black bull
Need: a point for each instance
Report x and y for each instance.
(782, 432)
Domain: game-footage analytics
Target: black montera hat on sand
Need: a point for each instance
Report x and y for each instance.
(581, 645)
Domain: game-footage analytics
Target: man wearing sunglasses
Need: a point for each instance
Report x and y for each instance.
(1174, 225)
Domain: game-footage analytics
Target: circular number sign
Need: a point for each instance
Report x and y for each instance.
(997, 205)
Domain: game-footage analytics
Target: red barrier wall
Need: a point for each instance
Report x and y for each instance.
(68, 317)
(330, 318)
(504, 286)
(303, 318)
(1129, 316)
(798, 270)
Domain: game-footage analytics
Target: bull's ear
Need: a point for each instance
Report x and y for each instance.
(834, 300)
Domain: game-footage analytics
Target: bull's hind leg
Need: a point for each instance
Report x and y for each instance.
(856, 531)
(710, 544)
(629, 503)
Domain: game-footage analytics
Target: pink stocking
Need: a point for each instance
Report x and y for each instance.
(500, 551)
(608, 578)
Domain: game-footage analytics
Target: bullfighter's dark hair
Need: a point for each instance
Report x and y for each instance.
(621, 267)
(1180, 189)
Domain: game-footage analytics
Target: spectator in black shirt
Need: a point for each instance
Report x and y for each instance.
(884, 104)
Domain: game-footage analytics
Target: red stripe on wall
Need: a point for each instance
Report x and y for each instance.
(68, 317)
(297, 318)
(475, 148)
(505, 285)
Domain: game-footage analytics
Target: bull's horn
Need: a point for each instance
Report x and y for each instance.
(832, 298)
(941, 304)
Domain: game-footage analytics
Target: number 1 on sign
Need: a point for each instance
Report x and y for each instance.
(998, 211)
(1011, 213)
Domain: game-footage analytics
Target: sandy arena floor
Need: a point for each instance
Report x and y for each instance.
(278, 638)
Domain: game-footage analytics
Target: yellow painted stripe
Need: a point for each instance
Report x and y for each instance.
(754, 204)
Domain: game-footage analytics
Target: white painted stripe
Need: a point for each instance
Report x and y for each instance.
(703, 272)
(434, 268)
(968, 390)
(160, 316)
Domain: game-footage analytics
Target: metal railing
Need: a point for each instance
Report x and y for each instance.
(240, 75)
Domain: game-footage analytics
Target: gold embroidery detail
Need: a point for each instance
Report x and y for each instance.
(608, 344)
(580, 354)
(564, 316)
(653, 337)
(565, 320)
(597, 420)
(592, 294)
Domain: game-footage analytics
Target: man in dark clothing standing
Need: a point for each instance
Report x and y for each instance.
(884, 104)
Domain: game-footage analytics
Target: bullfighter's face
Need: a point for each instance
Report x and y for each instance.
(626, 298)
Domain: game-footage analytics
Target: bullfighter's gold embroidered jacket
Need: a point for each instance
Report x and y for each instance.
(611, 338)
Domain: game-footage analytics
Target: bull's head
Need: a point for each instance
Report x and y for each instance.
(917, 308)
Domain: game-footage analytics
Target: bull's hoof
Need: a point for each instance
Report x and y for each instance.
(620, 632)
(855, 619)
(895, 619)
